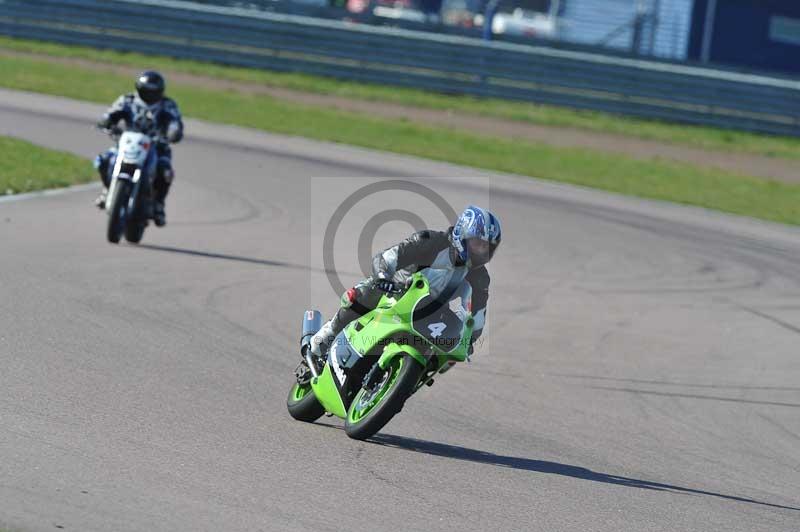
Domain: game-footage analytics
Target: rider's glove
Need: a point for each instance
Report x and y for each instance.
(385, 284)
(174, 132)
(104, 122)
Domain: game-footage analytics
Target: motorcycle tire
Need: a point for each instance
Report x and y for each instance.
(371, 410)
(303, 405)
(115, 206)
(134, 232)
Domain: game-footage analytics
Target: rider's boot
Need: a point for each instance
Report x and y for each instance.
(321, 342)
(101, 164)
(159, 216)
(100, 202)
(161, 187)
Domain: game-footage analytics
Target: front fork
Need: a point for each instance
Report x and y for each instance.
(373, 377)
(427, 359)
(112, 188)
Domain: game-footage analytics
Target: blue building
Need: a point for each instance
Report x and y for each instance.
(753, 34)
(757, 34)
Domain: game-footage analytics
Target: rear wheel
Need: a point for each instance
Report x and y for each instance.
(372, 409)
(116, 207)
(302, 403)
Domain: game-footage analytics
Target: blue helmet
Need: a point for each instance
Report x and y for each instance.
(475, 236)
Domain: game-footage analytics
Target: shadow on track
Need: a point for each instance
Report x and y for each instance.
(237, 258)
(697, 396)
(220, 256)
(540, 466)
(679, 384)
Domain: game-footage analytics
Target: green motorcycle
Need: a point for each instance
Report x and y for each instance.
(379, 360)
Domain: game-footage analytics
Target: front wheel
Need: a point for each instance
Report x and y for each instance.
(116, 207)
(134, 232)
(372, 409)
(303, 405)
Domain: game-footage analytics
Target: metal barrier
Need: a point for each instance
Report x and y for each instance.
(393, 56)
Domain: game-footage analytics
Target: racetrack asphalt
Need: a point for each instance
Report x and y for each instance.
(641, 368)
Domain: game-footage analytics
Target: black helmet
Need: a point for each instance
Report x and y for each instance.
(151, 87)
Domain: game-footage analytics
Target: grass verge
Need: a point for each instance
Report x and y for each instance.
(656, 179)
(25, 167)
(695, 136)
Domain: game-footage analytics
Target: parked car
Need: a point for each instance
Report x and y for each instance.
(523, 23)
(418, 11)
(458, 13)
(524, 18)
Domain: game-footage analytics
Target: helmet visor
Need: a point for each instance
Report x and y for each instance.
(150, 94)
(480, 251)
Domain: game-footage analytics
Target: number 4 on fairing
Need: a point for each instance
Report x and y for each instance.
(437, 329)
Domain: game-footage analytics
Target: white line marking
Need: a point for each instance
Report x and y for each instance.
(49, 193)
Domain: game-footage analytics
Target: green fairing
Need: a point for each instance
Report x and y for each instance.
(392, 317)
(390, 320)
(327, 393)
(392, 350)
